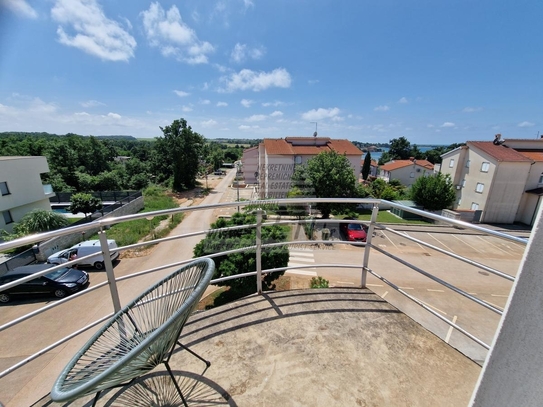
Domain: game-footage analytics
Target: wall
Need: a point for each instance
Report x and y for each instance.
(404, 174)
(45, 249)
(250, 165)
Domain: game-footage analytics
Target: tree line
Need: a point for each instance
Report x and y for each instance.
(87, 163)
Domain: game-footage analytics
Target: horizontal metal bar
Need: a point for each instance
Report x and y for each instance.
(427, 308)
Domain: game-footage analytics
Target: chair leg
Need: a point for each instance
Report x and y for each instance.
(176, 384)
(208, 363)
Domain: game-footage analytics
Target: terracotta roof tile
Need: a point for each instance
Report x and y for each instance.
(394, 165)
(533, 155)
(284, 147)
(500, 152)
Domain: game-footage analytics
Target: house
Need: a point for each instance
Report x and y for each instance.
(21, 188)
(406, 171)
(277, 159)
(249, 167)
(373, 167)
(501, 181)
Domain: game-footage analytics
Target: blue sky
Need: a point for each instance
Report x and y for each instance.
(433, 71)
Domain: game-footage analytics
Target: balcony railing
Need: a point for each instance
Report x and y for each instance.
(361, 270)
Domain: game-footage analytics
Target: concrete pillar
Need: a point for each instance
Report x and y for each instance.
(513, 372)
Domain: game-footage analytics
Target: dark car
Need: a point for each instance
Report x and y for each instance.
(59, 283)
(354, 232)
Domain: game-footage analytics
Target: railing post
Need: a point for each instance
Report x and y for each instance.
(109, 271)
(259, 251)
(369, 235)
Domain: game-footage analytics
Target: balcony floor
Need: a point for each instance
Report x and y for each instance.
(327, 347)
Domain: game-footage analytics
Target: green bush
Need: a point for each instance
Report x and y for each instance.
(319, 282)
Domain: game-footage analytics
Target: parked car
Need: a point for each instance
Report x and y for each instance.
(84, 249)
(59, 283)
(354, 232)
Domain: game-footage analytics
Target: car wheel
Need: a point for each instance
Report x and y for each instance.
(99, 265)
(60, 293)
(4, 297)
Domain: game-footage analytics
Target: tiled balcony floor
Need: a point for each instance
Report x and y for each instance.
(327, 347)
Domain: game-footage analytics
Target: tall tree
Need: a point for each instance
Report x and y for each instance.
(183, 147)
(331, 176)
(400, 148)
(434, 192)
(366, 167)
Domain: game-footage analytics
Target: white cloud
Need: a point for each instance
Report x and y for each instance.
(240, 53)
(208, 123)
(430, 126)
(92, 103)
(244, 127)
(93, 32)
(114, 116)
(256, 118)
(19, 7)
(277, 113)
(168, 32)
(205, 102)
(525, 124)
(81, 114)
(186, 109)
(472, 109)
(403, 100)
(246, 102)
(222, 104)
(256, 81)
(383, 108)
(320, 113)
(447, 124)
(248, 3)
(181, 93)
(313, 81)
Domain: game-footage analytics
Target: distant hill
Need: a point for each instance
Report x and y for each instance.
(44, 134)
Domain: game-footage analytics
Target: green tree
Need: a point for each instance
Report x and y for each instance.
(434, 192)
(245, 261)
(366, 167)
(181, 151)
(37, 221)
(84, 203)
(400, 148)
(331, 176)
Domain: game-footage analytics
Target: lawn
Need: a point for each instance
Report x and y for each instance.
(387, 217)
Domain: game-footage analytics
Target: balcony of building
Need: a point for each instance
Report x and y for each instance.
(407, 321)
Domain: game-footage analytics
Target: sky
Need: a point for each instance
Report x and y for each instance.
(433, 71)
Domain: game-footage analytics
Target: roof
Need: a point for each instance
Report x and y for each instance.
(532, 155)
(304, 146)
(250, 149)
(30, 269)
(498, 152)
(397, 164)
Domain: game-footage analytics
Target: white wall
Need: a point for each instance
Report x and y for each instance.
(250, 165)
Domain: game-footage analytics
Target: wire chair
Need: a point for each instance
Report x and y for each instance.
(138, 338)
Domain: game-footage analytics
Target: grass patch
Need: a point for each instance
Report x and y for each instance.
(387, 217)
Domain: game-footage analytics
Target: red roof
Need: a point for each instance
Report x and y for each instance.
(290, 146)
(498, 152)
(532, 155)
(394, 165)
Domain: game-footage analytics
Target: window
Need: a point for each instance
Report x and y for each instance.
(451, 163)
(485, 167)
(463, 183)
(541, 179)
(468, 163)
(480, 187)
(4, 188)
(412, 175)
(298, 159)
(459, 201)
(474, 206)
(7, 217)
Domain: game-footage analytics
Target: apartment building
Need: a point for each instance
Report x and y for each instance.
(21, 188)
(278, 158)
(501, 179)
(406, 171)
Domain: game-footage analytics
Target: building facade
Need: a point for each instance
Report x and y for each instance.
(502, 181)
(249, 167)
(406, 171)
(21, 188)
(278, 158)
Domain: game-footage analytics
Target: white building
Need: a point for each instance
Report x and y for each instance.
(249, 167)
(406, 171)
(502, 181)
(277, 159)
(21, 188)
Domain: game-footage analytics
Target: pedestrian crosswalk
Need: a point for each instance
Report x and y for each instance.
(302, 258)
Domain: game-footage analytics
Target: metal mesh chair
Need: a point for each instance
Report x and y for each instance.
(137, 338)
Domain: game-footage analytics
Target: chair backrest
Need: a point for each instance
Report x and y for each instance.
(138, 337)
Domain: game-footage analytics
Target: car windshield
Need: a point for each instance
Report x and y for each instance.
(355, 226)
(54, 275)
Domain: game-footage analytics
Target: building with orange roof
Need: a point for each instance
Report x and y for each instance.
(278, 159)
(406, 171)
(501, 180)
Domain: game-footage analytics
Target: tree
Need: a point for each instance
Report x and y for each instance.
(181, 150)
(245, 261)
(331, 176)
(400, 148)
(85, 203)
(366, 167)
(37, 221)
(434, 192)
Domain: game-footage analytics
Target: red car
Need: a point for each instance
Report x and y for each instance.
(354, 232)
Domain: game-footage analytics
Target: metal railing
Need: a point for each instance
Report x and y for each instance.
(258, 247)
